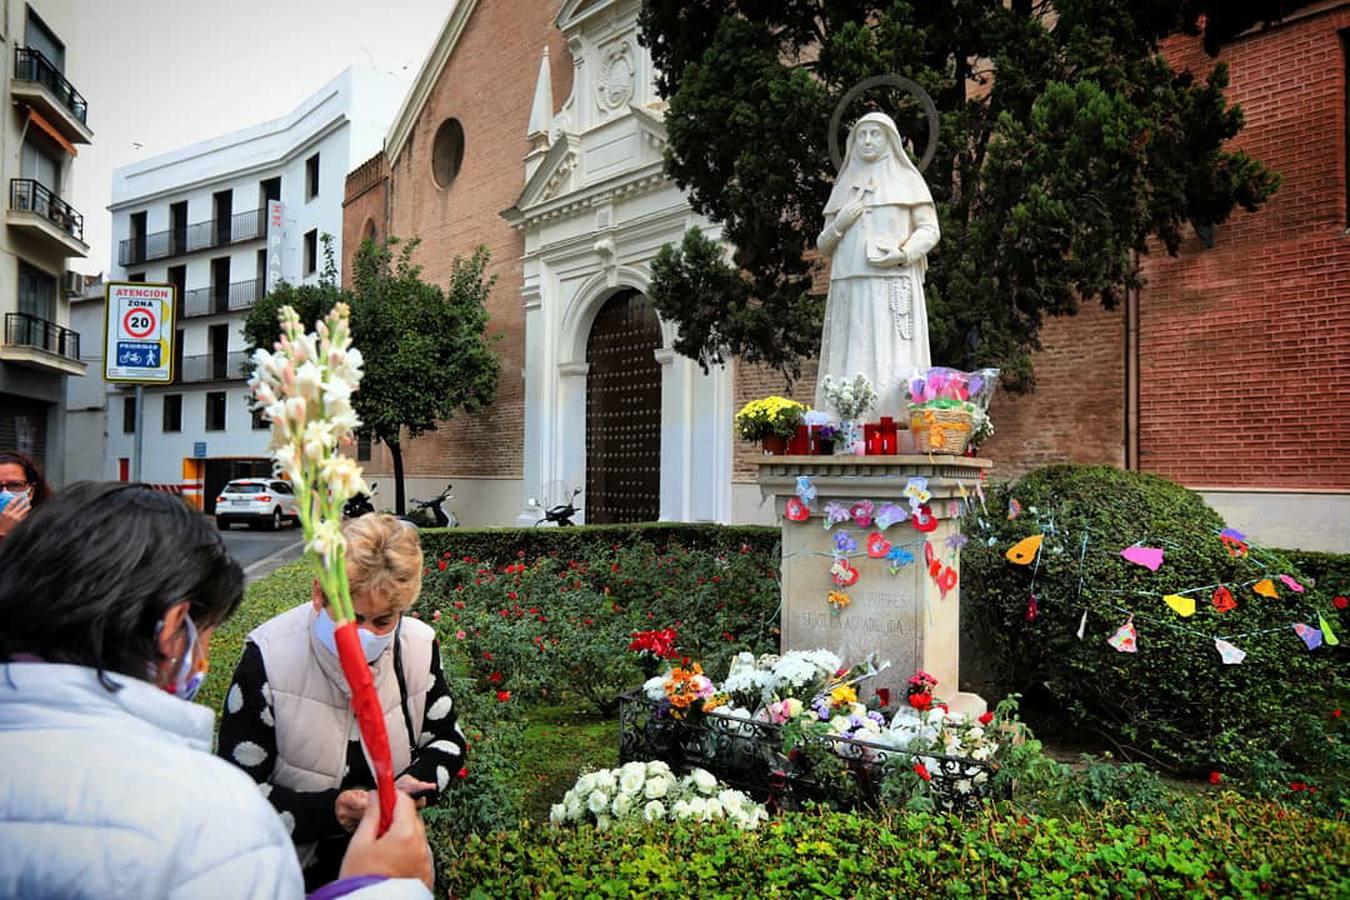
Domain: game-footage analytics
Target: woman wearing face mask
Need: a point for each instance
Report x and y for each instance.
(288, 721)
(108, 787)
(22, 489)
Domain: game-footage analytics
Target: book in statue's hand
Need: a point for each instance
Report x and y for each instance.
(879, 248)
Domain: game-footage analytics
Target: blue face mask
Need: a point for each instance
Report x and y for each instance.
(191, 673)
(7, 496)
(372, 645)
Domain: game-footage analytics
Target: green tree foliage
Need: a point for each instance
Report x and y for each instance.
(425, 348)
(1066, 142)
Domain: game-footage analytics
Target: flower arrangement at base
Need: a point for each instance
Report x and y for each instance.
(949, 409)
(653, 648)
(686, 688)
(919, 693)
(645, 792)
(770, 419)
(852, 400)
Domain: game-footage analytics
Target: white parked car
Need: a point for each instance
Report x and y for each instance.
(257, 501)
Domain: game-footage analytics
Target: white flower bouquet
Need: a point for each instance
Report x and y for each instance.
(851, 399)
(651, 792)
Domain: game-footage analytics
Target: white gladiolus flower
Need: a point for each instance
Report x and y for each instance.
(963, 786)
(698, 808)
(654, 811)
(327, 539)
(308, 381)
(598, 802)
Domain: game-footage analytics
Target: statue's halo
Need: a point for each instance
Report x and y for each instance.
(899, 81)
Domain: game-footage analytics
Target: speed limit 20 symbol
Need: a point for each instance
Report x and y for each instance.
(139, 323)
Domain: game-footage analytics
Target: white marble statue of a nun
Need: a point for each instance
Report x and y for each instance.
(880, 224)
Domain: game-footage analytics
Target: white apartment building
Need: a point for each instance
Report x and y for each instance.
(199, 218)
(44, 119)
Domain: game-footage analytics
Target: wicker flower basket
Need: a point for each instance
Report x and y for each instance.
(941, 430)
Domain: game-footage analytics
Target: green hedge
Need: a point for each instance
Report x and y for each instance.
(1231, 847)
(1331, 571)
(504, 545)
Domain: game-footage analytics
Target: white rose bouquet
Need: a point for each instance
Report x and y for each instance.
(651, 792)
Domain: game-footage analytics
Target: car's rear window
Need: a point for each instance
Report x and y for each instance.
(244, 487)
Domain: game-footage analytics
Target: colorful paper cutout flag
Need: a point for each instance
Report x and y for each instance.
(877, 546)
(957, 541)
(946, 581)
(890, 514)
(1230, 655)
(1126, 640)
(979, 492)
(1233, 533)
(1033, 609)
(1014, 508)
(1223, 600)
(806, 490)
(1082, 625)
(928, 554)
(899, 557)
(1025, 550)
(796, 510)
(1150, 558)
(862, 513)
(916, 489)
(1236, 548)
(843, 573)
(1290, 583)
(844, 543)
(1327, 634)
(1183, 606)
(923, 520)
(1311, 636)
(934, 567)
(1266, 588)
(835, 512)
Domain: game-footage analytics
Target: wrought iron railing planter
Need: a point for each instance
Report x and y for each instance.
(749, 755)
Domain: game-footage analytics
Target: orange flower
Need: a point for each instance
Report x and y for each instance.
(838, 599)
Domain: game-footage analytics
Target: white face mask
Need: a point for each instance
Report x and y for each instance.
(371, 644)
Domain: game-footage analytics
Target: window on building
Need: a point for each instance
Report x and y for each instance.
(178, 278)
(311, 251)
(447, 152)
(136, 276)
(215, 411)
(268, 189)
(37, 36)
(129, 415)
(363, 447)
(260, 422)
(178, 355)
(173, 412)
(223, 205)
(136, 250)
(312, 177)
(37, 292)
(41, 161)
(178, 225)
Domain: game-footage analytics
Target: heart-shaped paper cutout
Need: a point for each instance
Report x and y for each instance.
(946, 581)
(1150, 558)
(928, 554)
(934, 567)
(1014, 508)
(1266, 588)
(843, 573)
(1183, 606)
(877, 546)
(796, 510)
(1223, 600)
(1025, 550)
(1126, 640)
(923, 520)
(862, 513)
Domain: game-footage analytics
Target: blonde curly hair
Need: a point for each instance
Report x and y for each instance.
(384, 559)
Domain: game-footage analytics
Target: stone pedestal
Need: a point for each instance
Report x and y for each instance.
(903, 617)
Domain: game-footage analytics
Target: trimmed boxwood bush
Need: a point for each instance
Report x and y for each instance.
(1229, 848)
(505, 545)
(1173, 702)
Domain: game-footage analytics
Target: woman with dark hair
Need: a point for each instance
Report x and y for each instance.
(109, 596)
(22, 489)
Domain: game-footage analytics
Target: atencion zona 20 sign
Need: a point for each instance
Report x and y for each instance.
(139, 333)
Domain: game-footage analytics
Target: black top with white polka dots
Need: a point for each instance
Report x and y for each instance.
(248, 739)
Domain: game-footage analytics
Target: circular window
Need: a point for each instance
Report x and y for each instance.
(447, 152)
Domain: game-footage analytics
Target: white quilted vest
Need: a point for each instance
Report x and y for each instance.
(311, 701)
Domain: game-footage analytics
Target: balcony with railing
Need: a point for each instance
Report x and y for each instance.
(249, 225)
(39, 83)
(40, 344)
(221, 298)
(43, 215)
(212, 367)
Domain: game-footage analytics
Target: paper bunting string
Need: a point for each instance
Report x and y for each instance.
(890, 514)
(1033, 609)
(1150, 558)
(1230, 655)
(844, 543)
(1223, 600)
(1025, 550)
(916, 489)
(1266, 588)
(1311, 636)
(1184, 606)
(796, 510)
(877, 546)
(1125, 639)
(899, 557)
(957, 541)
(862, 513)
(1233, 533)
(835, 512)
(843, 573)
(946, 581)
(923, 520)
(1292, 584)
(1082, 625)
(1014, 508)
(1328, 635)
(806, 490)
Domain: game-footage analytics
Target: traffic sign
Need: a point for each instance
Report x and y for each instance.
(139, 333)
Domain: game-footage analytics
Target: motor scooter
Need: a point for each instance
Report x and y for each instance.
(433, 513)
(560, 515)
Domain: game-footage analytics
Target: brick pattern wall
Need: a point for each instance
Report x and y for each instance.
(488, 85)
(1243, 346)
(367, 190)
(751, 383)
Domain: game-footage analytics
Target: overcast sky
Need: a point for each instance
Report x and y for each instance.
(159, 74)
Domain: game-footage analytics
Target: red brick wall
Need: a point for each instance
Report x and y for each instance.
(367, 190)
(1243, 346)
(751, 382)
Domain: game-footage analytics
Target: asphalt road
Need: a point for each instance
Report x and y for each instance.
(260, 552)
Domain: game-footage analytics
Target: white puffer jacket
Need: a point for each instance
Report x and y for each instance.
(107, 795)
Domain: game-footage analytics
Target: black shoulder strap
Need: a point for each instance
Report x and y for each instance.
(403, 687)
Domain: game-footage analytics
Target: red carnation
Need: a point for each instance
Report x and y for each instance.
(1215, 777)
(986, 718)
(921, 702)
(503, 696)
(922, 771)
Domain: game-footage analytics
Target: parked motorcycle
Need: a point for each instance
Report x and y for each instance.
(359, 505)
(560, 515)
(433, 513)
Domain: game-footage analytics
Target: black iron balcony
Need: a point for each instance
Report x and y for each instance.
(31, 66)
(222, 298)
(249, 225)
(27, 195)
(213, 367)
(23, 330)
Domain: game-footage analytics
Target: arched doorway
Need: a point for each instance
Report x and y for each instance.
(623, 412)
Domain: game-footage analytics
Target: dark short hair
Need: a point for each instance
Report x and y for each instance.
(87, 577)
(31, 474)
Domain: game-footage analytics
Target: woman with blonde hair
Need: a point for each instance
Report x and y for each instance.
(288, 720)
